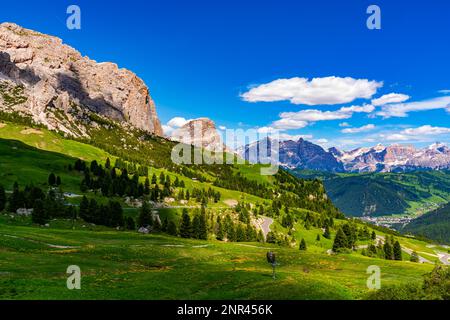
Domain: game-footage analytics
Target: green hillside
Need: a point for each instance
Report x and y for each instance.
(124, 265)
(434, 225)
(220, 256)
(380, 194)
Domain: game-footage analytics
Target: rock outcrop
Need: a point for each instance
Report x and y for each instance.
(55, 85)
(200, 132)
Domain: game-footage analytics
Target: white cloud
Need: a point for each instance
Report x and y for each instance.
(300, 119)
(286, 124)
(365, 128)
(167, 129)
(317, 91)
(177, 122)
(390, 98)
(344, 124)
(418, 133)
(264, 130)
(402, 109)
(222, 128)
(173, 124)
(286, 136)
(367, 108)
(446, 91)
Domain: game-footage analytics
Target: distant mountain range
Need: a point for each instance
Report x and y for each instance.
(303, 155)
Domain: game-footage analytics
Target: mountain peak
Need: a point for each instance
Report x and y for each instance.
(60, 88)
(200, 132)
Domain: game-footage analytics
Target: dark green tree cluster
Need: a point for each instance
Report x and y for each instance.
(2, 198)
(204, 196)
(53, 180)
(277, 238)
(392, 249)
(236, 231)
(131, 167)
(110, 214)
(111, 183)
(235, 181)
(435, 286)
(45, 205)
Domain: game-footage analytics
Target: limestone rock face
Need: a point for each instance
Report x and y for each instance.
(43, 75)
(200, 132)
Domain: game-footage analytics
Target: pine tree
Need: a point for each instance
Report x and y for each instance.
(318, 237)
(130, 224)
(340, 241)
(185, 226)
(2, 198)
(203, 234)
(154, 179)
(302, 245)
(372, 250)
(374, 236)
(231, 233)
(58, 180)
(108, 163)
(388, 252)
(271, 237)
(196, 226)
(84, 208)
(172, 228)
(414, 257)
(327, 233)
(240, 233)
(397, 251)
(165, 224)
(16, 200)
(39, 214)
(115, 214)
(260, 236)
(147, 187)
(145, 218)
(220, 232)
(51, 179)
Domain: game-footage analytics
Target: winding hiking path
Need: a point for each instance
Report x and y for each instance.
(444, 258)
(265, 226)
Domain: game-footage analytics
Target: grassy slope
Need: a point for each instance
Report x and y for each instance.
(34, 166)
(120, 265)
(128, 265)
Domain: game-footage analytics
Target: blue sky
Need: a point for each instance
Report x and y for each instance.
(219, 59)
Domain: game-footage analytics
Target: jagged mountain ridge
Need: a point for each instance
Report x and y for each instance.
(395, 158)
(303, 154)
(56, 86)
(292, 154)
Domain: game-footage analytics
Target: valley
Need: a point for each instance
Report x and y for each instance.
(87, 179)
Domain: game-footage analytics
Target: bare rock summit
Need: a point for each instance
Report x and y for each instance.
(55, 85)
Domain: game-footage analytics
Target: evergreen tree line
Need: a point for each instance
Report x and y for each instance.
(111, 183)
(110, 214)
(45, 205)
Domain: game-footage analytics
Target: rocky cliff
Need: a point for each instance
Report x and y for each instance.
(55, 85)
(200, 132)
